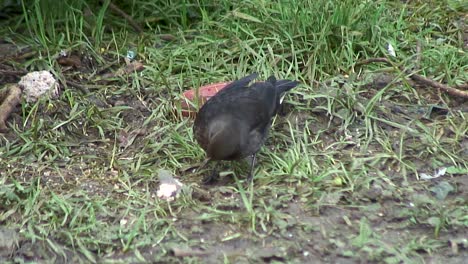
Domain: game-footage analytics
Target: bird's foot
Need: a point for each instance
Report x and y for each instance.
(250, 178)
(210, 178)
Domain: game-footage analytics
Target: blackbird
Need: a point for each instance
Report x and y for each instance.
(234, 123)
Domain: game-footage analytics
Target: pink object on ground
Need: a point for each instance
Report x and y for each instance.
(205, 92)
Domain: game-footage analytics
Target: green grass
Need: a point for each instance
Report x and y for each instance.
(337, 178)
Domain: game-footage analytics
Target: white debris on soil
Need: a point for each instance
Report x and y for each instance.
(169, 187)
(35, 84)
(391, 50)
(440, 172)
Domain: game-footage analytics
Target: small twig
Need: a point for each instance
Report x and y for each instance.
(134, 66)
(417, 63)
(13, 73)
(80, 87)
(23, 54)
(420, 78)
(181, 252)
(448, 89)
(372, 60)
(126, 16)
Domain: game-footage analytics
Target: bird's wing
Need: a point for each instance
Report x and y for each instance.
(239, 84)
(253, 109)
(266, 96)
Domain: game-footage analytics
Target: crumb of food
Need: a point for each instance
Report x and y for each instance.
(169, 186)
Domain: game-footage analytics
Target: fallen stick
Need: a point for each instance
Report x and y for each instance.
(10, 97)
(419, 78)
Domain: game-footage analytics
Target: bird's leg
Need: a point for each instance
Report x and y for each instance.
(204, 163)
(211, 177)
(252, 165)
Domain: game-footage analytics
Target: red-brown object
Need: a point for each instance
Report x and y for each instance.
(204, 93)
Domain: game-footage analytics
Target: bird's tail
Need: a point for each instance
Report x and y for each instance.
(282, 85)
